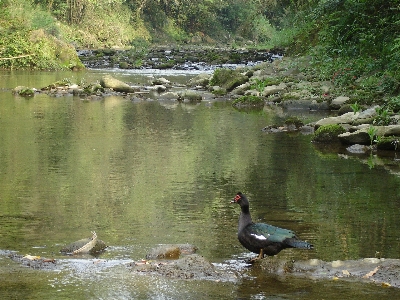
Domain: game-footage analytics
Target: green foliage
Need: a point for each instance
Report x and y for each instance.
(372, 133)
(248, 101)
(294, 121)
(383, 117)
(327, 133)
(259, 85)
(355, 107)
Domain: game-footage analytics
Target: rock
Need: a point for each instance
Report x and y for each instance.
(171, 251)
(190, 95)
(85, 246)
(161, 81)
(23, 91)
(168, 96)
(115, 84)
(347, 118)
(388, 143)
(381, 271)
(34, 262)
(338, 102)
(159, 88)
(228, 79)
(241, 89)
(392, 130)
(274, 89)
(358, 149)
(189, 267)
(358, 137)
(201, 79)
(328, 133)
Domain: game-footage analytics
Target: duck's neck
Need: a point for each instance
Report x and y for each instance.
(244, 218)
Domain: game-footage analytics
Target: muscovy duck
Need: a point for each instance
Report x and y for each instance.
(262, 238)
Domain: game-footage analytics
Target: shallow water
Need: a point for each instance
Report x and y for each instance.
(150, 173)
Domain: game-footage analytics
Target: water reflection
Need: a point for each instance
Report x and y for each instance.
(148, 173)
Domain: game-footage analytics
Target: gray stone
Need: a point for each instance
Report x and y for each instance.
(346, 118)
(392, 130)
(115, 84)
(201, 79)
(357, 137)
(339, 101)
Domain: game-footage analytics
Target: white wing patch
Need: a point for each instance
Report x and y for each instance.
(259, 236)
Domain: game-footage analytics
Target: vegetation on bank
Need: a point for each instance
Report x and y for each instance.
(355, 44)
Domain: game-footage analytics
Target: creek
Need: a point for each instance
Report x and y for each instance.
(147, 173)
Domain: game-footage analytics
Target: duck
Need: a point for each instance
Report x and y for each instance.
(264, 239)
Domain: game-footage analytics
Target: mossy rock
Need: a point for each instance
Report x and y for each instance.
(388, 143)
(228, 79)
(328, 134)
(23, 91)
(294, 121)
(248, 101)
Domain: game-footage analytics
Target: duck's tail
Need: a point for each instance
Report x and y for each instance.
(295, 243)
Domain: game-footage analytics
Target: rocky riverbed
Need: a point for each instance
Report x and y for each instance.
(178, 58)
(185, 264)
(259, 82)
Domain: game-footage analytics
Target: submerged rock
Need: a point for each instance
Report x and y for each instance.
(379, 270)
(34, 262)
(191, 266)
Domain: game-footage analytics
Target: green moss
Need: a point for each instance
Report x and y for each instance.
(228, 79)
(388, 143)
(248, 101)
(294, 121)
(328, 134)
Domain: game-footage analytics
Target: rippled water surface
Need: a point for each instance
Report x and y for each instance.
(150, 173)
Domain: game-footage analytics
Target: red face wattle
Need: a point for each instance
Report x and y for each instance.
(236, 199)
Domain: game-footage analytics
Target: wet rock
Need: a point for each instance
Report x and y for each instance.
(23, 91)
(91, 246)
(171, 251)
(328, 134)
(358, 149)
(115, 84)
(34, 262)
(191, 266)
(358, 137)
(381, 271)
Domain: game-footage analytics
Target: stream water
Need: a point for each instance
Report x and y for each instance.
(148, 173)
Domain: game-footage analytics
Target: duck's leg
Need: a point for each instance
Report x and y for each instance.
(260, 256)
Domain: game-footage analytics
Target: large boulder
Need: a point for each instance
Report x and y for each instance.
(347, 118)
(115, 84)
(358, 137)
(228, 79)
(274, 89)
(338, 102)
